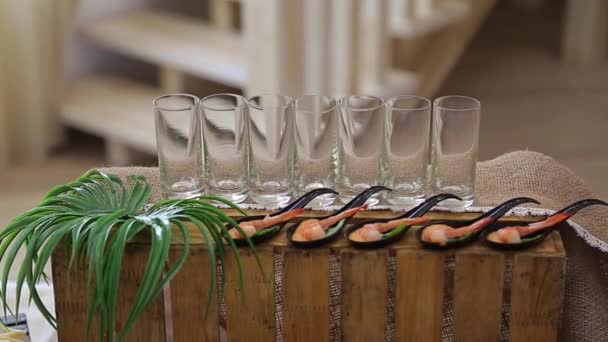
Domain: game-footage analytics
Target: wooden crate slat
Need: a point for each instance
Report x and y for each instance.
(536, 297)
(189, 297)
(477, 293)
(419, 295)
(251, 317)
(305, 295)
(150, 326)
(70, 300)
(364, 276)
(71, 306)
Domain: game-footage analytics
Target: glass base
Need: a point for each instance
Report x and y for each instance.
(184, 188)
(270, 199)
(319, 201)
(183, 194)
(466, 193)
(454, 203)
(404, 200)
(346, 195)
(234, 197)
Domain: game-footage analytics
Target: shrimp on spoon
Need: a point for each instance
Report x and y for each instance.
(321, 230)
(259, 228)
(379, 232)
(373, 231)
(441, 233)
(314, 229)
(514, 235)
(445, 234)
(251, 227)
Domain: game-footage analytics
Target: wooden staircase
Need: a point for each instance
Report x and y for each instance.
(116, 108)
(175, 42)
(286, 46)
(119, 109)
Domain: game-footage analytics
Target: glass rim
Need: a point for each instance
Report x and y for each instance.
(333, 107)
(237, 96)
(345, 99)
(190, 96)
(476, 102)
(289, 102)
(390, 102)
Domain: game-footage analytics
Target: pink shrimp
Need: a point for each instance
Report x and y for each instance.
(513, 234)
(251, 227)
(440, 233)
(373, 231)
(313, 229)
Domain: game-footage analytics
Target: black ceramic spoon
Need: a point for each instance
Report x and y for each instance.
(332, 232)
(267, 233)
(399, 231)
(547, 225)
(484, 220)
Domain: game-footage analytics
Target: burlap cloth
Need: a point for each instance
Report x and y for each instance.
(524, 173)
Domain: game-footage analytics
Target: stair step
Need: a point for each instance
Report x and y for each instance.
(171, 40)
(410, 28)
(113, 108)
(448, 11)
(398, 82)
(445, 47)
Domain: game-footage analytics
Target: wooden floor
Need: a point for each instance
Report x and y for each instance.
(23, 186)
(530, 100)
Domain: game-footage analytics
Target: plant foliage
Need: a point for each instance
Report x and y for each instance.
(95, 217)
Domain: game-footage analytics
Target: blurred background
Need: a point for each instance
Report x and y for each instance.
(77, 77)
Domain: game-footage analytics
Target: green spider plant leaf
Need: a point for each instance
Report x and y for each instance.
(395, 231)
(333, 230)
(269, 230)
(460, 238)
(96, 216)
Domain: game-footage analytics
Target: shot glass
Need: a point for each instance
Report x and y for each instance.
(225, 145)
(454, 151)
(179, 145)
(271, 149)
(360, 141)
(406, 154)
(315, 137)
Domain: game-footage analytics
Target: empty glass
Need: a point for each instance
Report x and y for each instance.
(271, 149)
(178, 141)
(315, 137)
(406, 155)
(225, 145)
(360, 139)
(455, 139)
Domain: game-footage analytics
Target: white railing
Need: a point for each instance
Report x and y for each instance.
(337, 47)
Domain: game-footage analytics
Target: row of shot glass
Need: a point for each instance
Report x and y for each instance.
(272, 147)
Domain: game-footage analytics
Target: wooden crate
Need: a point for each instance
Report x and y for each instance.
(473, 293)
